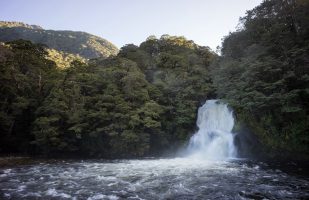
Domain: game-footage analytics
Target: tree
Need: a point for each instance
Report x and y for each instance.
(262, 73)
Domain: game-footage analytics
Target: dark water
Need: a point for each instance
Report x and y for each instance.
(178, 178)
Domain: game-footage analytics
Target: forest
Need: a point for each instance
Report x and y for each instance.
(263, 72)
(144, 100)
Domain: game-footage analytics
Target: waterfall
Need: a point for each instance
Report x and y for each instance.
(214, 139)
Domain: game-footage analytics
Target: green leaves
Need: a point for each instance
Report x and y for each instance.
(135, 104)
(263, 72)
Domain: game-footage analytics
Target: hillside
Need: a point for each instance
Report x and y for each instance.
(141, 102)
(79, 43)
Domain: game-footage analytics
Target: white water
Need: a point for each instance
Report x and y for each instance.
(178, 178)
(214, 139)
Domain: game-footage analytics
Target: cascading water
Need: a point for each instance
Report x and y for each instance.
(214, 139)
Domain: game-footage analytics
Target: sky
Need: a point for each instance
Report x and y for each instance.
(122, 22)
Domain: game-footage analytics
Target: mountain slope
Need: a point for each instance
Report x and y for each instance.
(81, 43)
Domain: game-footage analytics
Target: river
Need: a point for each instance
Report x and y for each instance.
(178, 178)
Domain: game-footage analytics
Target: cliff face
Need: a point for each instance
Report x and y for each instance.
(79, 43)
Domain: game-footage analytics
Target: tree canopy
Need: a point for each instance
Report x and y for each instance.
(263, 72)
(139, 103)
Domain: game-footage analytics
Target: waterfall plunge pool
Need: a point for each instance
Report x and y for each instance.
(178, 178)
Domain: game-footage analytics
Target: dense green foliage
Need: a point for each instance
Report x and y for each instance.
(177, 68)
(63, 59)
(144, 100)
(264, 73)
(139, 103)
(25, 79)
(77, 43)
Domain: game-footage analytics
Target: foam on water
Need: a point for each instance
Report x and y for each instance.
(179, 178)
